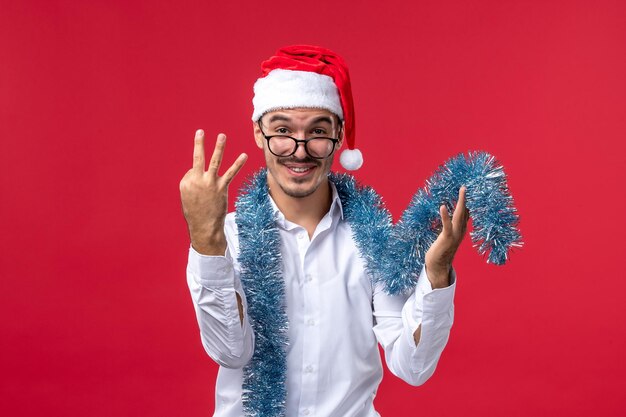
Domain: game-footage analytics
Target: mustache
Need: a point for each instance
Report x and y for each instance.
(292, 159)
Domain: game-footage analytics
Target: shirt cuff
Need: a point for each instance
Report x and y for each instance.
(211, 271)
(437, 300)
(428, 302)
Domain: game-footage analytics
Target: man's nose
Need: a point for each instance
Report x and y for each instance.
(300, 151)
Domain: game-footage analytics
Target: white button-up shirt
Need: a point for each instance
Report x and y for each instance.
(336, 317)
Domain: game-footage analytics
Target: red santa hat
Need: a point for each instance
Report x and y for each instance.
(309, 76)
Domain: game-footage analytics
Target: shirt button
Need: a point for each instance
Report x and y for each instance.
(301, 236)
(308, 369)
(306, 412)
(308, 278)
(311, 322)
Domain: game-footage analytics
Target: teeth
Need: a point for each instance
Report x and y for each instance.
(298, 169)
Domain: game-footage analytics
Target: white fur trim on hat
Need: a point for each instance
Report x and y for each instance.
(287, 89)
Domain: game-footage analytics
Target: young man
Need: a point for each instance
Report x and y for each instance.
(294, 323)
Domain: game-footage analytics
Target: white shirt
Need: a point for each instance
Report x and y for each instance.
(336, 317)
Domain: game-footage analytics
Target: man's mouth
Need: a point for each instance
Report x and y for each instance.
(299, 167)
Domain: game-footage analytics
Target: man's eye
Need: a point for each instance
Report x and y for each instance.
(282, 130)
(319, 131)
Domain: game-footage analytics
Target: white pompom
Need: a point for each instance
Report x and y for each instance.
(351, 159)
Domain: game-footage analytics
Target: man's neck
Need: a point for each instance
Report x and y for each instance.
(304, 211)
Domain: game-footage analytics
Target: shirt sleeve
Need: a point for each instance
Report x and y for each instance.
(214, 284)
(397, 318)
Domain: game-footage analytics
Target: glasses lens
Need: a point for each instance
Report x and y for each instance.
(320, 147)
(282, 145)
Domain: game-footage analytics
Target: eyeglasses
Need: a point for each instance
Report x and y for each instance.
(317, 147)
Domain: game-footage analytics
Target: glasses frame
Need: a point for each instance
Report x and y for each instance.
(297, 142)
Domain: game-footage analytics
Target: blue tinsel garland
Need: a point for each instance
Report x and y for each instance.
(393, 255)
(494, 218)
(264, 390)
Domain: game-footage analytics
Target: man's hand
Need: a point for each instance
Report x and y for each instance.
(441, 253)
(204, 197)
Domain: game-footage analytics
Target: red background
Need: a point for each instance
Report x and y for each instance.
(98, 106)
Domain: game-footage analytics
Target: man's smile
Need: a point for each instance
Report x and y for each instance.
(299, 168)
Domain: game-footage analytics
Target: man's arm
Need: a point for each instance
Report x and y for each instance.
(428, 313)
(414, 339)
(220, 306)
(214, 286)
(438, 262)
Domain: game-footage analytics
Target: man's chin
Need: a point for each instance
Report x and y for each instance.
(298, 192)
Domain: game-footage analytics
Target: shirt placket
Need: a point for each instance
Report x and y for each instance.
(311, 330)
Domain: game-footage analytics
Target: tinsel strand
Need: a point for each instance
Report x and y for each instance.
(264, 386)
(494, 217)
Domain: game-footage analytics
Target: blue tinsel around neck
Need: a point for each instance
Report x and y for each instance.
(264, 389)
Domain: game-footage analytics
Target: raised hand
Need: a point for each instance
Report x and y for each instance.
(441, 253)
(204, 196)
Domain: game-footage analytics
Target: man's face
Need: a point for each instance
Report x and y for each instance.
(297, 175)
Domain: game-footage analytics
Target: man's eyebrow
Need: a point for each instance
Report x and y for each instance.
(278, 117)
(321, 119)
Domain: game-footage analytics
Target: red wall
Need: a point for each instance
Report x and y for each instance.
(99, 102)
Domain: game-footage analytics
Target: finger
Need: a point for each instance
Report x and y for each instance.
(198, 150)
(459, 211)
(445, 219)
(234, 168)
(218, 152)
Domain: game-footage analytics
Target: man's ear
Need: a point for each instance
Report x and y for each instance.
(341, 135)
(258, 136)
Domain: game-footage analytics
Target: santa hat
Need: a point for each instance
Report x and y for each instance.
(309, 76)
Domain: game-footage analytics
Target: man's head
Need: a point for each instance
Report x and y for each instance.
(299, 146)
(303, 78)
